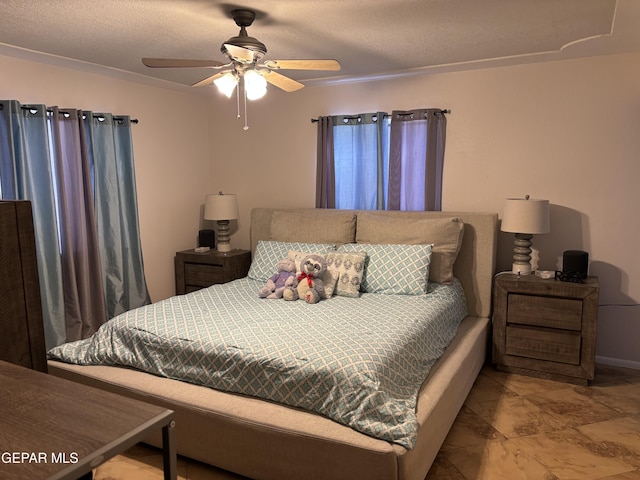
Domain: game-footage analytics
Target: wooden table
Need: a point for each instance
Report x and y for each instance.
(57, 429)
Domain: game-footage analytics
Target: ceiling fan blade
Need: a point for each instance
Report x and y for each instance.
(303, 64)
(285, 83)
(239, 54)
(180, 63)
(208, 80)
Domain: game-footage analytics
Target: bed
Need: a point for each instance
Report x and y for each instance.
(266, 439)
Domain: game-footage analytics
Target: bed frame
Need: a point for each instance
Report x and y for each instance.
(265, 440)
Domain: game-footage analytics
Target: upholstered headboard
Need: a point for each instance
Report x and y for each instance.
(474, 265)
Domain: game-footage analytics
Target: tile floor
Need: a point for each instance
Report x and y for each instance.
(511, 427)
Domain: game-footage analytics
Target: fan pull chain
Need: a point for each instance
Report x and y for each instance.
(246, 127)
(238, 100)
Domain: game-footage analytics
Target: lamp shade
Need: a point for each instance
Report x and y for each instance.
(221, 207)
(525, 215)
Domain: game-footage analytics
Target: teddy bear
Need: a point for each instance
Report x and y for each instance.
(308, 284)
(276, 284)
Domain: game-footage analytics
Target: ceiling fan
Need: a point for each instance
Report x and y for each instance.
(245, 55)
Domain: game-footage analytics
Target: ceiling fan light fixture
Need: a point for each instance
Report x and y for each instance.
(227, 83)
(245, 54)
(255, 85)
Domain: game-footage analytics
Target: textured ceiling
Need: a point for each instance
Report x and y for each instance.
(370, 38)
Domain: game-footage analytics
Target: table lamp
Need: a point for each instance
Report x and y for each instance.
(222, 208)
(524, 217)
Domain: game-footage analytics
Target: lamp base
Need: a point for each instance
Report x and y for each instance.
(224, 244)
(223, 247)
(521, 269)
(522, 254)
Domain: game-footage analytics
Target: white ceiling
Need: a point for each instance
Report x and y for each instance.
(370, 38)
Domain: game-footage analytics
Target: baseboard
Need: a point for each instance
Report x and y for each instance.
(617, 362)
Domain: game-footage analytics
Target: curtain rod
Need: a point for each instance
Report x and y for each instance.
(98, 116)
(315, 120)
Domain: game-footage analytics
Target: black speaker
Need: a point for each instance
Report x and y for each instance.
(207, 238)
(575, 264)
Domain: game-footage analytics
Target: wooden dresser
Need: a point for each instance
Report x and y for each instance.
(196, 270)
(545, 328)
(22, 338)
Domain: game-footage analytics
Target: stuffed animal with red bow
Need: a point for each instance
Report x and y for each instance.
(308, 284)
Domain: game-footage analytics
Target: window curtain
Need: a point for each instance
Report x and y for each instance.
(352, 162)
(416, 157)
(325, 171)
(26, 173)
(79, 246)
(77, 170)
(110, 149)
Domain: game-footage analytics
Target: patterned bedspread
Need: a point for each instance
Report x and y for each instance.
(359, 361)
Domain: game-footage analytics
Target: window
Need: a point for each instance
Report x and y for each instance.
(361, 158)
(376, 161)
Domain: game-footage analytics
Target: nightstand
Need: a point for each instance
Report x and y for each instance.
(545, 328)
(196, 270)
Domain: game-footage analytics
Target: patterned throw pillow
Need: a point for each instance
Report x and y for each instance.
(268, 253)
(394, 269)
(445, 234)
(345, 271)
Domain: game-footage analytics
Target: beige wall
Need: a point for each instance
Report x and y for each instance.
(566, 131)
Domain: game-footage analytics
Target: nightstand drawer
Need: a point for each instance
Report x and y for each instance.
(203, 275)
(543, 344)
(564, 313)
